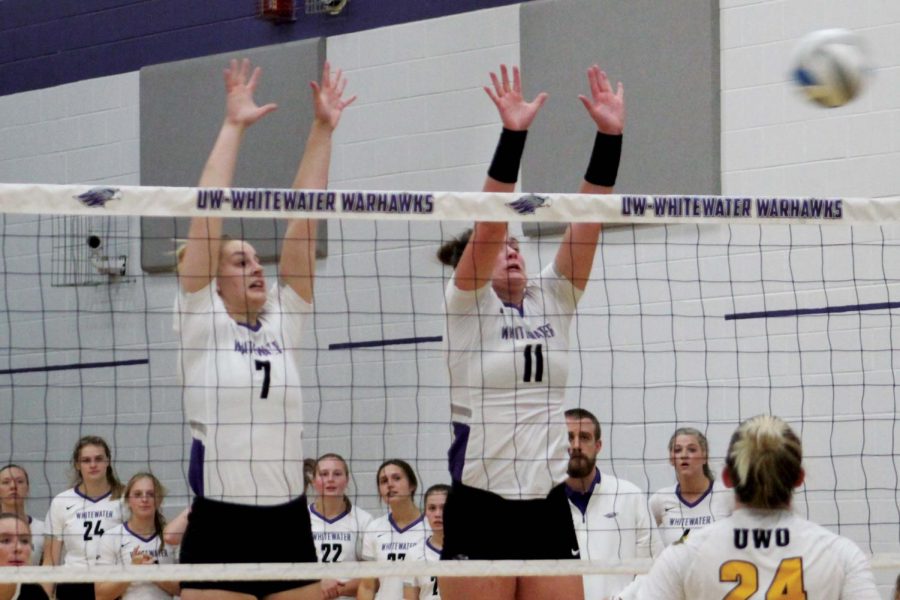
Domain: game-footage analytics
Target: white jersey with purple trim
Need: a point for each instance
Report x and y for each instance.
(242, 397)
(116, 548)
(383, 540)
(37, 539)
(81, 522)
(508, 373)
(675, 516)
(612, 522)
(339, 539)
(756, 554)
(428, 586)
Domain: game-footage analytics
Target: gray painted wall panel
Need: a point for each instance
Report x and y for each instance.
(182, 105)
(665, 53)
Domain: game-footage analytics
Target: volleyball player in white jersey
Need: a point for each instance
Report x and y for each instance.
(763, 550)
(79, 517)
(138, 541)
(696, 500)
(508, 339)
(14, 490)
(337, 524)
(426, 588)
(238, 364)
(399, 534)
(15, 551)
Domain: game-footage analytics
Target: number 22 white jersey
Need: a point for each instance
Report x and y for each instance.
(339, 539)
(80, 522)
(508, 371)
(751, 552)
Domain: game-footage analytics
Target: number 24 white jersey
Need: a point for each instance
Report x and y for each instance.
(80, 522)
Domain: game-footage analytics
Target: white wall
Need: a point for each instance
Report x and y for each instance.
(772, 140)
(81, 132)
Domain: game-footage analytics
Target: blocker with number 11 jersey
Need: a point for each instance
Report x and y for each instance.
(508, 371)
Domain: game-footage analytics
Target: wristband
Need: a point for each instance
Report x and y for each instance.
(604, 164)
(505, 165)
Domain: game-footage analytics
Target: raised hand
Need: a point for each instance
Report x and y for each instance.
(515, 112)
(606, 108)
(327, 96)
(240, 108)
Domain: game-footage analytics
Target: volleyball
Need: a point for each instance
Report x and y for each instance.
(829, 66)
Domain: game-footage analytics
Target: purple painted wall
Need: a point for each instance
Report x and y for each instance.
(49, 42)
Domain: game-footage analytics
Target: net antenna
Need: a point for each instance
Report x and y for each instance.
(89, 250)
(331, 7)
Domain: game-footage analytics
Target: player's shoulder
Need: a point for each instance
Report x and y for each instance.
(361, 516)
(119, 530)
(113, 539)
(378, 524)
(280, 296)
(66, 503)
(68, 495)
(550, 280)
(817, 534)
(669, 490)
(663, 494)
(616, 485)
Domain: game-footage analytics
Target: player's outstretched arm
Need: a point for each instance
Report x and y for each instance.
(606, 108)
(198, 261)
(298, 254)
(517, 114)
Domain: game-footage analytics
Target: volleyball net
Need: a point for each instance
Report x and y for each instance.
(701, 311)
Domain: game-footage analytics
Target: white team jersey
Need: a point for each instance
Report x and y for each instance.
(116, 548)
(676, 517)
(383, 540)
(37, 539)
(242, 397)
(508, 372)
(339, 539)
(758, 554)
(615, 525)
(428, 586)
(80, 522)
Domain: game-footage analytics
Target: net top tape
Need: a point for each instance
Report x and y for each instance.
(347, 570)
(340, 570)
(439, 206)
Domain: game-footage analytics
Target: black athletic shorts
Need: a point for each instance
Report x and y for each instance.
(219, 532)
(74, 591)
(480, 525)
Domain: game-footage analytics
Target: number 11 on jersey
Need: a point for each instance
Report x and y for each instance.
(534, 354)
